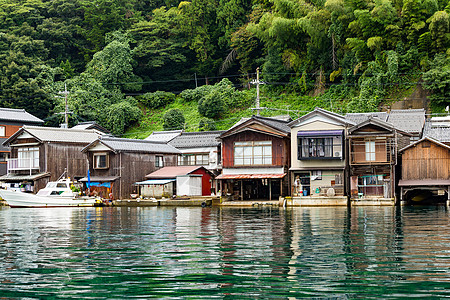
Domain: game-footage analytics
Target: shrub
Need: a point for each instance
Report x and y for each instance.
(157, 99)
(206, 124)
(173, 120)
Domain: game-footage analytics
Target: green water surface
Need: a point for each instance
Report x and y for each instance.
(225, 253)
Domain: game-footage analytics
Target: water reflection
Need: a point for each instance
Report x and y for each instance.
(364, 252)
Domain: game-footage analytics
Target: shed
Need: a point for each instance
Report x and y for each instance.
(190, 180)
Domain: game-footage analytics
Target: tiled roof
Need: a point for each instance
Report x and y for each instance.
(440, 133)
(361, 117)
(55, 134)
(323, 112)
(275, 123)
(196, 139)
(409, 120)
(172, 172)
(163, 136)
(18, 115)
(133, 145)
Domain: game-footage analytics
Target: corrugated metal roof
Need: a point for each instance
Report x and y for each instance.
(54, 134)
(163, 136)
(424, 182)
(196, 139)
(18, 115)
(439, 133)
(409, 120)
(155, 181)
(133, 145)
(173, 172)
(21, 177)
(250, 176)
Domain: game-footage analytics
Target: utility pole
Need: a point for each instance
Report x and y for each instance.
(257, 91)
(66, 110)
(195, 75)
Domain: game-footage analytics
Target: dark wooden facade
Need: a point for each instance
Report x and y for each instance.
(54, 159)
(373, 148)
(124, 170)
(280, 148)
(251, 181)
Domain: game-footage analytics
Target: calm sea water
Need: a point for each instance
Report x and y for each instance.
(232, 253)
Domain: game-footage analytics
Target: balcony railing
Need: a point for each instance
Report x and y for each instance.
(23, 164)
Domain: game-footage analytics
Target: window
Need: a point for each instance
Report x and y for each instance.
(2, 131)
(370, 150)
(320, 147)
(3, 156)
(316, 175)
(101, 161)
(28, 157)
(193, 159)
(159, 161)
(253, 153)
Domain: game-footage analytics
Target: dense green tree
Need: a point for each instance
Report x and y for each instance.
(173, 120)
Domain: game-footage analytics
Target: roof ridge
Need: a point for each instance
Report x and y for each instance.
(59, 129)
(13, 109)
(105, 138)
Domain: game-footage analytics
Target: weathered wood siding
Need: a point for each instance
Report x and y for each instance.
(56, 157)
(280, 147)
(426, 160)
(130, 168)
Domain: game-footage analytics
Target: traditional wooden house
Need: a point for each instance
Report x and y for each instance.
(373, 148)
(318, 158)
(255, 159)
(177, 180)
(438, 128)
(11, 120)
(42, 154)
(425, 172)
(116, 164)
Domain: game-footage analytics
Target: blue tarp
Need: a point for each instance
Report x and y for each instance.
(105, 184)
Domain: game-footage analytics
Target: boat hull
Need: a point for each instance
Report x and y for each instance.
(19, 199)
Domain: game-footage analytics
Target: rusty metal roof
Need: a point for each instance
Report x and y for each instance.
(250, 176)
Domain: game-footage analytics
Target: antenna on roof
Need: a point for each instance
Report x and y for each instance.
(66, 109)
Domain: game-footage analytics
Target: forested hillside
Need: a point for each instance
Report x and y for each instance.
(134, 65)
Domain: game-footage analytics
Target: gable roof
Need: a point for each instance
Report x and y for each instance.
(56, 134)
(90, 125)
(425, 139)
(197, 139)
(163, 136)
(377, 122)
(274, 123)
(133, 145)
(18, 115)
(174, 171)
(325, 113)
(438, 130)
(409, 120)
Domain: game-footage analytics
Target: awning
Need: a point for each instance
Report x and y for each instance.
(15, 177)
(155, 182)
(320, 133)
(425, 182)
(250, 176)
(100, 179)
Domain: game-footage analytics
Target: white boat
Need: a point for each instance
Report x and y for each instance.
(55, 194)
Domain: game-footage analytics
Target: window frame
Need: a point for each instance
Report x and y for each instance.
(326, 142)
(159, 161)
(96, 157)
(2, 131)
(247, 156)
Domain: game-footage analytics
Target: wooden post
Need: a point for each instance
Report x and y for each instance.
(242, 189)
(270, 189)
(281, 187)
